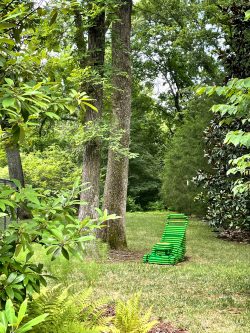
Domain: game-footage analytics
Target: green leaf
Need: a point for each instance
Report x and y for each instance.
(56, 253)
(247, 15)
(3, 329)
(19, 278)
(7, 41)
(201, 90)
(26, 327)
(10, 292)
(65, 253)
(10, 312)
(9, 82)
(11, 277)
(21, 312)
(10, 101)
(53, 16)
(91, 106)
(6, 25)
(3, 319)
(52, 115)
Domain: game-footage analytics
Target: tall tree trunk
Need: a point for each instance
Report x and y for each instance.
(91, 155)
(14, 162)
(115, 192)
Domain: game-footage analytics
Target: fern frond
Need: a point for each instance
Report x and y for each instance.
(130, 317)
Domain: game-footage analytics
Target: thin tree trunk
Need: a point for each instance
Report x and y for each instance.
(16, 172)
(14, 163)
(91, 155)
(115, 192)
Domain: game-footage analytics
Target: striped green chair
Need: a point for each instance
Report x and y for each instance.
(172, 246)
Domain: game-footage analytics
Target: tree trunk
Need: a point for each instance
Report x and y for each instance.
(115, 192)
(14, 162)
(16, 172)
(91, 155)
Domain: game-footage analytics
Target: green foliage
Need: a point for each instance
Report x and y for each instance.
(28, 93)
(11, 323)
(184, 157)
(69, 312)
(54, 226)
(81, 312)
(148, 121)
(226, 137)
(225, 211)
(174, 42)
(52, 168)
(237, 94)
(130, 317)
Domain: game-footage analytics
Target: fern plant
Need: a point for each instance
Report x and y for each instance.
(69, 313)
(80, 313)
(130, 317)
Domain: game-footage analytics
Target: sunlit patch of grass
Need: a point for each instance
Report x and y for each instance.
(207, 293)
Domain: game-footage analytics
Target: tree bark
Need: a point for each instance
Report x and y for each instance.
(14, 162)
(91, 155)
(16, 172)
(115, 192)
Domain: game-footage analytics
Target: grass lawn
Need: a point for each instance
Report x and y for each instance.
(208, 293)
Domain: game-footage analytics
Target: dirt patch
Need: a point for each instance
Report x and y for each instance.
(118, 256)
(166, 328)
(109, 310)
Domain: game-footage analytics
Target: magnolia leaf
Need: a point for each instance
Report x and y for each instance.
(247, 15)
(11, 277)
(65, 253)
(27, 327)
(21, 312)
(10, 311)
(9, 82)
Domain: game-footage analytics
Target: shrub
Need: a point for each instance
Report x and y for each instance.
(184, 158)
(52, 168)
(54, 226)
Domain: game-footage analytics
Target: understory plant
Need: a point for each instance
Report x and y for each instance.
(227, 149)
(10, 322)
(130, 317)
(82, 312)
(54, 226)
(69, 312)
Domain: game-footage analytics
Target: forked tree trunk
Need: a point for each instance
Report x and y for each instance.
(91, 155)
(115, 192)
(14, 162)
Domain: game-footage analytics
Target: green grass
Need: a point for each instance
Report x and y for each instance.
(207, 293)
